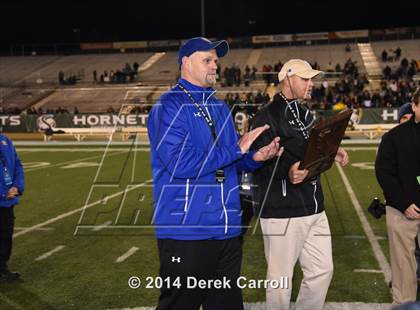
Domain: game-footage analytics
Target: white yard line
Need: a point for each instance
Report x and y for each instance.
(377, 251)
(41, 229)
(360, 148)
(368, 270)
(67, 214)
(126, 255)
(48, 254)
(99, 227)
(360, 141)
(362, 237)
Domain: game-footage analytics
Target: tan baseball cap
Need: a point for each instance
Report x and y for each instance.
(297, 67)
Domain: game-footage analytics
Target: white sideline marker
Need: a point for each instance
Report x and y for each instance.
(126, 255)
(368, 270)
(373, 240)
(48, 254)
(362, 237)
(40, 229)
(99, 227)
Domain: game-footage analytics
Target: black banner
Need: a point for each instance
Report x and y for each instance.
(39, 123)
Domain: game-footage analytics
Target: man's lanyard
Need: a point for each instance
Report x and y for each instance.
(205, 115)
(220, 173)
(301, 126)
(7, 178)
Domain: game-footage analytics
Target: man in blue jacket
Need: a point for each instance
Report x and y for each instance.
(196, 156)
(11, 187)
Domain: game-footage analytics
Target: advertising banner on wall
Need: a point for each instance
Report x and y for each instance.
(390, 31)
(348, 34)
(163, 43)
(282, 38)
(37, 123)
(130, 44)
(311, 36)
(96, 46)
(262, 39)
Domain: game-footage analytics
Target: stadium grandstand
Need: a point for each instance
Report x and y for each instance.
(78, 118)
(126, 80)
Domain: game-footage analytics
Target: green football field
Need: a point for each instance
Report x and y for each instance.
(83, 229)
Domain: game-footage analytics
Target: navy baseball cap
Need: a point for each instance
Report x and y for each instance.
(404, 109)
(202, 44)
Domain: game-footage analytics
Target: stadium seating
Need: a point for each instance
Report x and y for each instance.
(410, 49)
(236, 56)
(44, 69)
(18, 69)
(32, 81)
(16, 99)
(91, 100)
(323, 54)
(165, 70)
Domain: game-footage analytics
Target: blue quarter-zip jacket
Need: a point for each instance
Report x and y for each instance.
(189, 204)
(14, 168)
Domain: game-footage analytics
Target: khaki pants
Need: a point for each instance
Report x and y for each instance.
(307, 239)
(401, 234)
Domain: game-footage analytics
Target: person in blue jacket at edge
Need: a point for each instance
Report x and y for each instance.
(196, 156)
(11, 187)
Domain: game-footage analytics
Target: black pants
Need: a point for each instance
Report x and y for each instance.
(200, 260)
(7, 221)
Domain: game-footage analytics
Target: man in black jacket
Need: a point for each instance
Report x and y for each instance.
(398, 172)
(291, 211)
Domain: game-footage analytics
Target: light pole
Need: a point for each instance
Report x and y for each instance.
(203, 26)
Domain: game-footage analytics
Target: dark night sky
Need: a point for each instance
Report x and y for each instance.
(121, 20)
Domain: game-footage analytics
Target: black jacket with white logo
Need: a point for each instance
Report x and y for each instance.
(275, 195)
